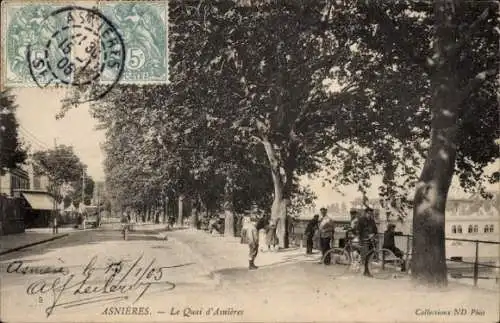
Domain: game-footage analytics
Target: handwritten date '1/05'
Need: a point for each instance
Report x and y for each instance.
(70, 290)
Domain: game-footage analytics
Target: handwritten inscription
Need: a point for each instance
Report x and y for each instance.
(19, 267)
(211, 311)
(119, 281)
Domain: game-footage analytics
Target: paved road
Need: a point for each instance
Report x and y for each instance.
(88, 260)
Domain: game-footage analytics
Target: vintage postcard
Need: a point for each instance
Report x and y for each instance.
(249, 161)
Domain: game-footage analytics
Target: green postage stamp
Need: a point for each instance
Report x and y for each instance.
(50, 43)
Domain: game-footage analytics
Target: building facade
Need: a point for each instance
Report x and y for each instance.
(14, 179)
(26, 201)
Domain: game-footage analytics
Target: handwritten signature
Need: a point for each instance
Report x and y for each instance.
(119, 282)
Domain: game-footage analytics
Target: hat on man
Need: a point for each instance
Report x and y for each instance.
(323, 209)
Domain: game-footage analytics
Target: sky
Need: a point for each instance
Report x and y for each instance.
(36, 113)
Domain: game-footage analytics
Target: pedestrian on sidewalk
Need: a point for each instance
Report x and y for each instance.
(311, 228)
(271, 236)
(326, 229)
(263, 235)
(252, 233)
(55, 229)
(244, 228)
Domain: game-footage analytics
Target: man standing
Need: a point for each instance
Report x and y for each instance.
(54, 224)
(367, 229)
(326, 229)
(311, 228)
(252, 234)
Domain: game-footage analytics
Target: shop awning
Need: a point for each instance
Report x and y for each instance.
(39, 201)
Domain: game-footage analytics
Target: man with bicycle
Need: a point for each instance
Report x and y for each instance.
(326, 228)
(366, 227)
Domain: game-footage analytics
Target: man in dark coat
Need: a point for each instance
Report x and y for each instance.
(311, 228)
(367, 229)
(390, 244)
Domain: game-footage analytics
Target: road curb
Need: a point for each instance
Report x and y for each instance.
(206, 264)
(33, 244)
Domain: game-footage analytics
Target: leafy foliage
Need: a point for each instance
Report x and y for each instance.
(62, 166)
(11, 150)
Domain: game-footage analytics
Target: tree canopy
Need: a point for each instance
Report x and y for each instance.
(11, 151)
(62, 166)
(266, 91)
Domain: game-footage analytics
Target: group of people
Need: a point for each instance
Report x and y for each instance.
(361, 233)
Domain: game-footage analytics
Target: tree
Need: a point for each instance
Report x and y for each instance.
(359, 84)
(62, 166)
(428, 76)
(264, 68)
(465, 79)
(11, 151)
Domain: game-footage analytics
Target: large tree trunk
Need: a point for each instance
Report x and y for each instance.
(228, 209)
(180, 210)
(429, 252)
(278, 209)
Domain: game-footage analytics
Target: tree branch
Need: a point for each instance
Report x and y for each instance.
(390, 28)
(466, 36)
(474, 83)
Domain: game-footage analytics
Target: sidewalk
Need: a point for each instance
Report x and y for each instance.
(288, 282)
(221, 252)
(13, 242)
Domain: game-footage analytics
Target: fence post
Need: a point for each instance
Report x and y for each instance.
(476, 268)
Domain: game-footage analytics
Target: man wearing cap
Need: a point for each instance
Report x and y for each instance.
(367, 230)
(326, 229)
(253, 239)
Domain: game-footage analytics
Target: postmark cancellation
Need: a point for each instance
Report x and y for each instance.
(63, 43)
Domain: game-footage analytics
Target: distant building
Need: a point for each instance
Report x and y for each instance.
(32, 193)
(467, 217)
(14, 179)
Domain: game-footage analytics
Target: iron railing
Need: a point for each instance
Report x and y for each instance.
(403, 242)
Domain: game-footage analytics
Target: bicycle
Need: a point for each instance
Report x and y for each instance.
(347, 258)
(384, 264)
(381, 263)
